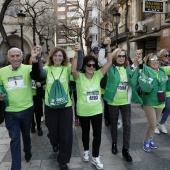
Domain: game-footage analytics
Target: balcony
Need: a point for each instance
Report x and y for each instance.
(113, 5)
(167, 18)
(104, 15)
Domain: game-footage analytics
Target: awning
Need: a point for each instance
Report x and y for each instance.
(147, 36)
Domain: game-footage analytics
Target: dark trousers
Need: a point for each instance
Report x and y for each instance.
(18, 123)
(96, 122)
(75, 103)
(60, 127)
(126, 118)
(106, 111)
(38, 111)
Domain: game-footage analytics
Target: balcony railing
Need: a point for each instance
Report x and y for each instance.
(112, 5)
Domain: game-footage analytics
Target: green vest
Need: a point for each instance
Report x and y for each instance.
(113, 81)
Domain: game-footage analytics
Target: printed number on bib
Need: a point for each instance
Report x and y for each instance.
(93, 96)
(122, 87)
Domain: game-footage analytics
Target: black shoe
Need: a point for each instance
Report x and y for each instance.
(114, 148)
(28, 157)
(126, 155)
(55, 149)
(40, 132)
(63, 166)
(32, 129)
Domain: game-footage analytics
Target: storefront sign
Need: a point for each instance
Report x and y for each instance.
(154, 6)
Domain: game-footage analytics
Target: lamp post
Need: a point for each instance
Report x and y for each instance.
(21, 21)
(116, 19)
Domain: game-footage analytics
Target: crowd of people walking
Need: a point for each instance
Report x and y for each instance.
(103, 80)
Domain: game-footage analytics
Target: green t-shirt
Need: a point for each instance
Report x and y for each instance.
(121, 96)
(89, 94)
(18, 86)
(64, 79)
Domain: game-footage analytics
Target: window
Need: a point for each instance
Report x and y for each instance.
(72, 8)
(61, 1)
(61, 32)
(61, 40)
(61, 9)
(90, 13)
(61, 16)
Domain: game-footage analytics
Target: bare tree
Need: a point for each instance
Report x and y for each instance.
(35, 10)
(2, 30)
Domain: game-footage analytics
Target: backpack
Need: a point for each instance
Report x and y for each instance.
(57, 96)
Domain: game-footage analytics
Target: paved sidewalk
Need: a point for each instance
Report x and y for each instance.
(44, 159)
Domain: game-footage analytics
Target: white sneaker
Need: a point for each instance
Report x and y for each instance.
(97, 163)
(163, 128)
(86, 155)
(157, 130)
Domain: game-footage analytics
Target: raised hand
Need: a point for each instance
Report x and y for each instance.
(36, 51)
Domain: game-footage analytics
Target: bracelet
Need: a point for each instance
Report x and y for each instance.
(109, 52)
(75, 57)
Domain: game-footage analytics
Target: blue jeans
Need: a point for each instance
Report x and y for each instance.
(166, 112)
(16, 123)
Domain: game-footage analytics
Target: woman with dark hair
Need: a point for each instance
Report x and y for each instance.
(38, 94)
(59, 121)
(118, 93)
(89, 105)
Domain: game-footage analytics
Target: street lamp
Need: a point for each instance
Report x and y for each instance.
(116, 19)
(21, 21)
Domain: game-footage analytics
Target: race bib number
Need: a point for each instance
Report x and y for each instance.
(15, 82)
(122, 87)
(93, 96)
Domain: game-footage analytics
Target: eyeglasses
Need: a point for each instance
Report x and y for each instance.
(167, 55)
(154, 59)
(121, 56)
(91, 65)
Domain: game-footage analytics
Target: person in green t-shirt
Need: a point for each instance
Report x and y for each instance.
(16, 79)
(89, 105)
(59, 121)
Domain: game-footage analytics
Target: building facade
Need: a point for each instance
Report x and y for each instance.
(149, 30)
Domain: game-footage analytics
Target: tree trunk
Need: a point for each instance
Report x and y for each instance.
(2, 30)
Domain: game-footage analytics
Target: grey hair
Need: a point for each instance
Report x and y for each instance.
(14, 48)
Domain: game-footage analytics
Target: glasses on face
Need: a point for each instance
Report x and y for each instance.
(121, 56)
(167, 55)
(154, 59)
(91, 65)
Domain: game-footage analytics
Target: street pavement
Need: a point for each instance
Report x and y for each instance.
(44, 159)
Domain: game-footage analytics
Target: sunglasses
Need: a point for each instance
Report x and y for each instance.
(121, 56)
(91, 65)
(167, 55)
(154, 59)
